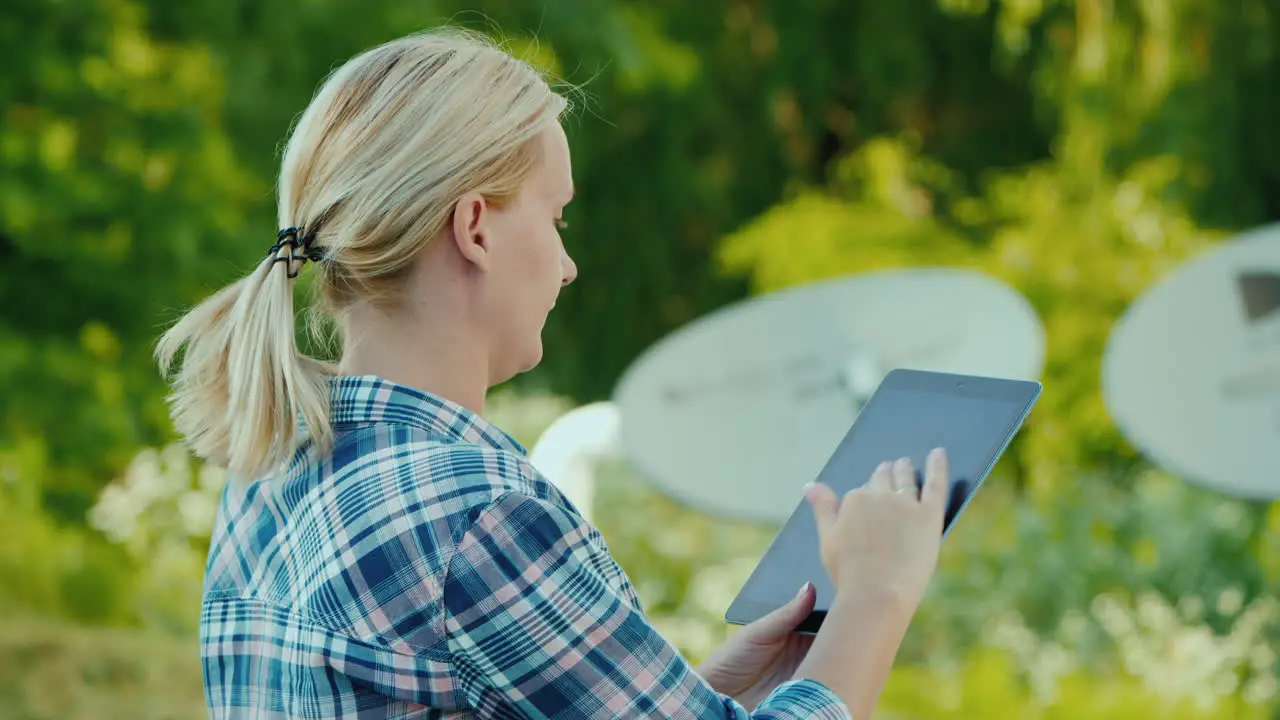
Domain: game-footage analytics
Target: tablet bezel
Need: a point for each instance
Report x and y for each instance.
(1025, 392)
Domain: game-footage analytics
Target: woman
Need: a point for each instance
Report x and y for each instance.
(387, 553)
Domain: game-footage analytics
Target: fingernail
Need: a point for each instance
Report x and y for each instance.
(935, 455)
(803, 589)
(904, 462)
(884, 466)
(810, 492)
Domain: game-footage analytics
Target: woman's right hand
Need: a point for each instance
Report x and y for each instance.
(880, 546)
(884, 536)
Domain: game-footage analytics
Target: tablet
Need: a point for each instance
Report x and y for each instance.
(910, 413)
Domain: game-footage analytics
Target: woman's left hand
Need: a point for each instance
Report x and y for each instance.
(763, 655)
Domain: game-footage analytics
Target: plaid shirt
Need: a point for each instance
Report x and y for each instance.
(423, 569)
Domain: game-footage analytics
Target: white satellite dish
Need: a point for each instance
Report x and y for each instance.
(735, 412)
(1192, 370)
(567, 451)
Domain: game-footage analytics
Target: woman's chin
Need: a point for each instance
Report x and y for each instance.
(534, 355)
(529, 359)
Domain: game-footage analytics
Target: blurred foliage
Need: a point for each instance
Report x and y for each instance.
(62, 671)
(1076, 149)
(116, 182)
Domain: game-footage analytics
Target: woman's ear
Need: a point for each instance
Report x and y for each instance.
(471, 229)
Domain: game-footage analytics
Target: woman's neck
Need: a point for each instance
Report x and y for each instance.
(439, 358)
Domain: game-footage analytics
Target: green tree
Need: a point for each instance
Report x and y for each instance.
(118, 190)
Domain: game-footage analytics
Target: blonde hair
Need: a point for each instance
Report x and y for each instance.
(390, 142)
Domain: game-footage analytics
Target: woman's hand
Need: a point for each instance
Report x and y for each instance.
(880, 546)
(763, 655)
(885, 535)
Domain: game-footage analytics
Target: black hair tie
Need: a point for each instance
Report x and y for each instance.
(301, 249)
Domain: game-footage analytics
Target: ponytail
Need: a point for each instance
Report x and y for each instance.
(242, 391)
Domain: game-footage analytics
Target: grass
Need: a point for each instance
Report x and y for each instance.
(50, 669)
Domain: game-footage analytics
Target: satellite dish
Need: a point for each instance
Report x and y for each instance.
(568, 449)
(735, 412)
(1191, 373)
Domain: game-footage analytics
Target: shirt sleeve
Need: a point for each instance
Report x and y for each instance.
(535, 631)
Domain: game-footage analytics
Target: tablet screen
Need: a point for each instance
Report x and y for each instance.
(909, 415)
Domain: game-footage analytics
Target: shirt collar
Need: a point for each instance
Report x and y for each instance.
(368, 400)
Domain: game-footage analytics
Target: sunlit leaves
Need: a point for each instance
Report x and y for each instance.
(116, 180)
(816, 236)
(879, 214)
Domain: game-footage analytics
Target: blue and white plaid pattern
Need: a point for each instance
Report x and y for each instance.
(423, 569)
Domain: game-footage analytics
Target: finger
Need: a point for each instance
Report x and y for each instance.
(882, 479)
(937, 480)
(784, 620)
(904, 477)
(778, 626)
(826, 507)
